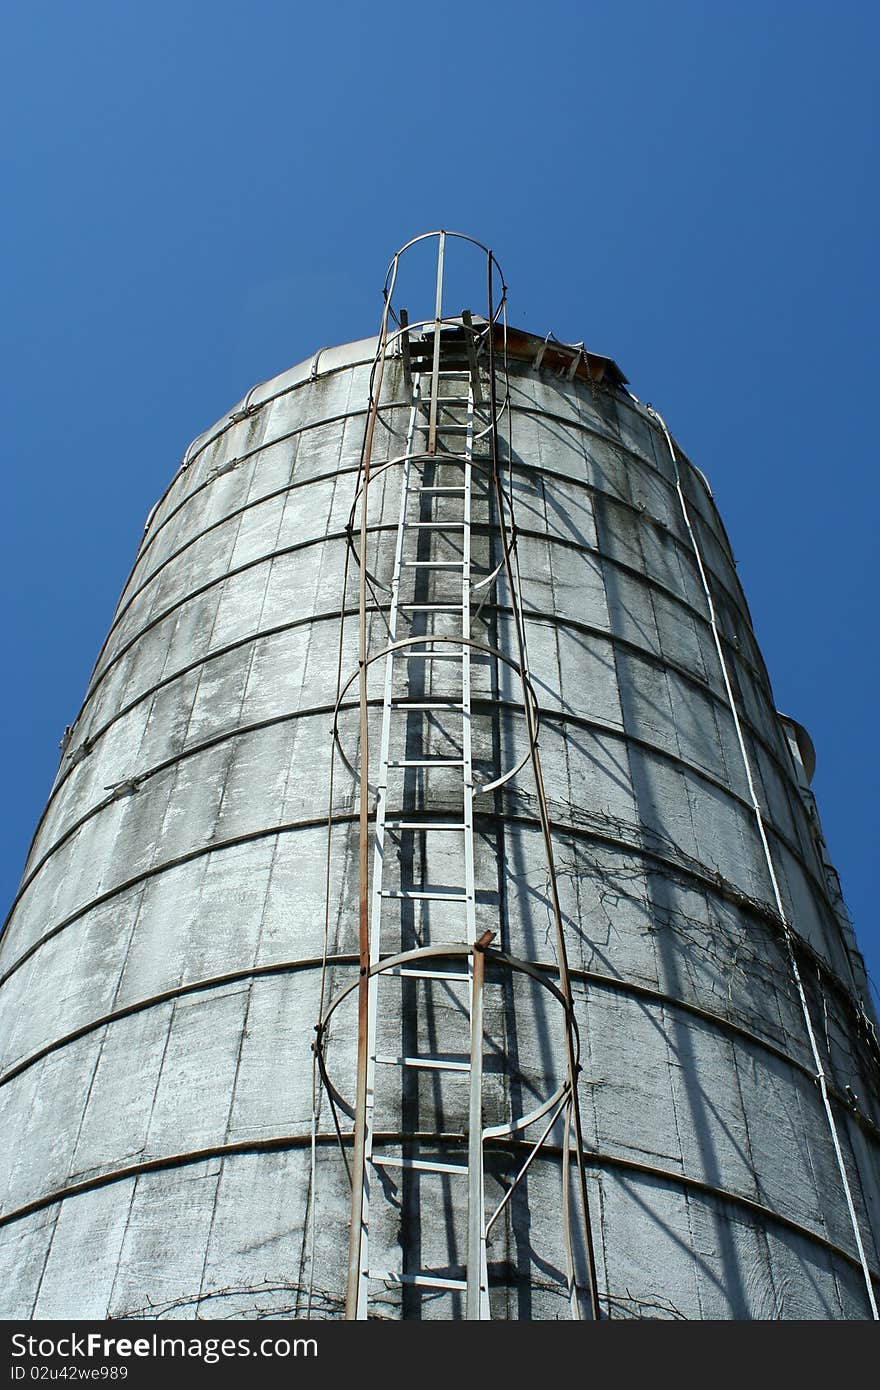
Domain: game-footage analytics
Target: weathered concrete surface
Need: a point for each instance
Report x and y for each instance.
(161, 966)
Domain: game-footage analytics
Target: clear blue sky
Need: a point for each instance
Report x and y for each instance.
(198, 195)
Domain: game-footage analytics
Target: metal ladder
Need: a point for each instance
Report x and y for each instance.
(418, 559)
(423, 936)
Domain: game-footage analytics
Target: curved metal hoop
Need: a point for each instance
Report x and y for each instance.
(477, 465)
(485, 650)
(457, 951)
(494, 312)
(391, 339)
(391, 273)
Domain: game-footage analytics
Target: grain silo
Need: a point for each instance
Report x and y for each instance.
(431, 917)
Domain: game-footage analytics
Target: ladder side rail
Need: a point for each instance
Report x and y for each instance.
(378, 862)
(355, 1235)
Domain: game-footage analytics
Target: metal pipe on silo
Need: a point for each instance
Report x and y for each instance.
(777, 895)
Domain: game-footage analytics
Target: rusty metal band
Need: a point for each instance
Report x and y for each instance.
(289, 1142)
(693, 872)
(613, 983)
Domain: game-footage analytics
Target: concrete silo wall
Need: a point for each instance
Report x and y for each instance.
(161, 969)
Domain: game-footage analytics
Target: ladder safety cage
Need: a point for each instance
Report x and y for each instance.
(423, 783)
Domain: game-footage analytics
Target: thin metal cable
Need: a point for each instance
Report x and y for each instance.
(317, 1074)
(765, 844)
(561, 949)
(316, 1078)
(360, 1117)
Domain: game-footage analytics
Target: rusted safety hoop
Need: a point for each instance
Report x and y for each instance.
(457, 951)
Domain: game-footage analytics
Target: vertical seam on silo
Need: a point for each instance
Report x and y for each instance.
(123, 1232)
(763, 1238)
(54, 1227)
(777, 894)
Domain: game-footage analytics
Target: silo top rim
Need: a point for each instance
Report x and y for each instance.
(547, 352)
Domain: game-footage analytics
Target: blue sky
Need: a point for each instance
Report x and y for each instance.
(199, 195)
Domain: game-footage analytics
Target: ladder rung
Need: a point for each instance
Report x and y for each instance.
(423, 1281)
(434, 564)
(416, 895)
(422, 1165)
(423, 356)
(432, 607)
(424, 825)
(429, 1063)
(434, 526)
(427, 762)
(412, 974)
(404, 703)
(431, 656)
(450, 488)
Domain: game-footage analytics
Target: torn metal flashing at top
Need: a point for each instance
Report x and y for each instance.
(549, 353)
(565, 359)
